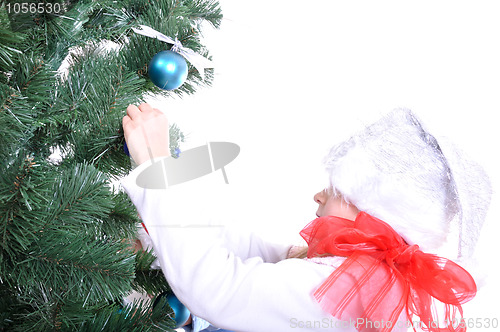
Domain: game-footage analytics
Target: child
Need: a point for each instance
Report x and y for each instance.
(394, 194)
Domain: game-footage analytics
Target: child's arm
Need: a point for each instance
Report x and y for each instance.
(243, 294)
(217, 285)
(147, 137)
(248, 245)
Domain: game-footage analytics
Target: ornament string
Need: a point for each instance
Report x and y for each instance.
(197, 60)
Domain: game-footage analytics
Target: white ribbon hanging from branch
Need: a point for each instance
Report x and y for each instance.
(197, 60)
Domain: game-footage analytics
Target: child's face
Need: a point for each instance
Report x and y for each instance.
(331, 205)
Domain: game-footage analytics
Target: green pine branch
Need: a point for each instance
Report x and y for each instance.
(65, 258)
(9, 41)
(24, 188)
(137, 316)
(147, 280)
(90, 270)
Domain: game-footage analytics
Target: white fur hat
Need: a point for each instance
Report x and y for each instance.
(398, 172)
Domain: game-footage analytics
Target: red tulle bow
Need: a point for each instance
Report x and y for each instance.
(383, 275)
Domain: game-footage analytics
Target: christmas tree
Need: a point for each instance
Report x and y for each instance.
(66, 260)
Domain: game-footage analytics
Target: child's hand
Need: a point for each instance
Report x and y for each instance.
(146, 133)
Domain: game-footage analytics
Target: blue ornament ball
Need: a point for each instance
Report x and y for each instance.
(168, 70)
(181, 313)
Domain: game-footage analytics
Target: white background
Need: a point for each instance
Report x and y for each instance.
(295, 77)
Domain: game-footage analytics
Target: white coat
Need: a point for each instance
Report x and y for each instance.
(235, 282)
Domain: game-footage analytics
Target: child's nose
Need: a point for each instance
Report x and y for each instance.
(319, 197)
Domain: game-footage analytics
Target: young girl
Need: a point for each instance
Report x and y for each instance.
(394, 195)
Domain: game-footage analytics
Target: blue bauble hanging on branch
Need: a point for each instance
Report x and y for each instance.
(168, 70)
(181, 313)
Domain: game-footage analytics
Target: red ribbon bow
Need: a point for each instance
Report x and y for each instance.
(383, 275)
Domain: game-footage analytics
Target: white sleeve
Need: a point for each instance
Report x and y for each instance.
(242, 245)
(251, 245)
(235, 290)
